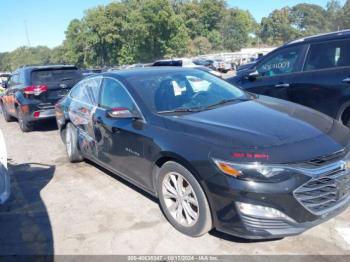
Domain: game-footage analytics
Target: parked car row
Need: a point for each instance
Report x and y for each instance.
(214, 155)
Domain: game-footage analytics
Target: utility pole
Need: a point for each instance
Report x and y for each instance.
(26, 31)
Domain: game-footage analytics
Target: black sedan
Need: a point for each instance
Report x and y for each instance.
(215, 156)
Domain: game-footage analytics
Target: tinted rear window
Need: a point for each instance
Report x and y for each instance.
(46, 76)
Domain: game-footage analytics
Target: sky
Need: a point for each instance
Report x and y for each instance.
(47, 20)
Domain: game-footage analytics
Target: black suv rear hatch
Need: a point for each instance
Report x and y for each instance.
(59, 81)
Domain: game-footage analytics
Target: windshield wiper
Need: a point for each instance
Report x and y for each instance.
(225, 101)
(178, 110)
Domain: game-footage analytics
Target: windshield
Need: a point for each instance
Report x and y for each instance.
(182, 91)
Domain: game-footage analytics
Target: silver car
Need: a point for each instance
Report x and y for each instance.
(4, 176)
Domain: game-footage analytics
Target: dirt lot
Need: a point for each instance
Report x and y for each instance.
(62, 208)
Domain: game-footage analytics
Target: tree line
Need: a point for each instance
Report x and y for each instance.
(136, 31)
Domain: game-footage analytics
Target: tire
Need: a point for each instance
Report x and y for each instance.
(192, 217)
(71, 141)
(6, 115)
(24, 125)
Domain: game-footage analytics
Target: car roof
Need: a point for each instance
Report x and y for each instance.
(322, 37)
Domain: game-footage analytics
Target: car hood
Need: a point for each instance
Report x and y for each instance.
(266, 124)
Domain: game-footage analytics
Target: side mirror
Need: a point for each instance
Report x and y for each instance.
(253, 75)
(120, 113)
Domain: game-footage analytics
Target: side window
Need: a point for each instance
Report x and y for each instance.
(283, 62)
(21, 77)
(87, 91)
(114, 95)
(75, 91)
(13, 80)
(328, 55)
(94, 88)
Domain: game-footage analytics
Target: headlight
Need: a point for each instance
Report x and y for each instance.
(249, 170)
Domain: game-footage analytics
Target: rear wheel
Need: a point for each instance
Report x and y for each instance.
(6, 115)
(24, 125)
(71, 140)
(183, 201)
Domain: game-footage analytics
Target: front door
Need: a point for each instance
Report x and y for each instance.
(120, 142)
(275, 72)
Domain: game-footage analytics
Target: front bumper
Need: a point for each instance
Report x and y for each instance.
(225, 192)
(4, 184)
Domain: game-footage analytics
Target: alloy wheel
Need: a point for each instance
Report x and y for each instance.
(180, 199)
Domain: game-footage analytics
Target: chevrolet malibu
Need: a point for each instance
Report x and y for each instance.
(215, 156)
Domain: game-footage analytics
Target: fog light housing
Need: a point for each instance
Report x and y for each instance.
(262, 212)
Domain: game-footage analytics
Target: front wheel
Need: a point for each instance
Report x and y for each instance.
(183, 200)
(71, 140)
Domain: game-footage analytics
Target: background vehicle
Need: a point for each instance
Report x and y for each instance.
(3, 81)
(184, 62)
(32, 92)
(204, 62)
(314, 71)
(189, 64)
(4, 176)
(209, 70)
(222, 66)
(213, 155)
(89, 72)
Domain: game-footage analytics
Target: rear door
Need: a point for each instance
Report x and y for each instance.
(58, 80)
(84, 98)
(324, 83)
(275, 73)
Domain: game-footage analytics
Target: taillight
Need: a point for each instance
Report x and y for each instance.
(35, 90)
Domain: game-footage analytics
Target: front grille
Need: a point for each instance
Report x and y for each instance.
(263, 223)
(323, 160)
(329, 187)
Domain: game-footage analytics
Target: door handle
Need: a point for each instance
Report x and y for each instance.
(346, 80)
(281, 85)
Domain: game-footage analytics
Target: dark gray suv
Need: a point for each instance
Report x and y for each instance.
(32, 92)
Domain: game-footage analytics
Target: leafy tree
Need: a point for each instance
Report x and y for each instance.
(236, 26)
(346, 15)
(215, 39)
(334, 15)
(129, 31)
(309, 19)
(199, 46)
(276, 29)
(211, 13)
